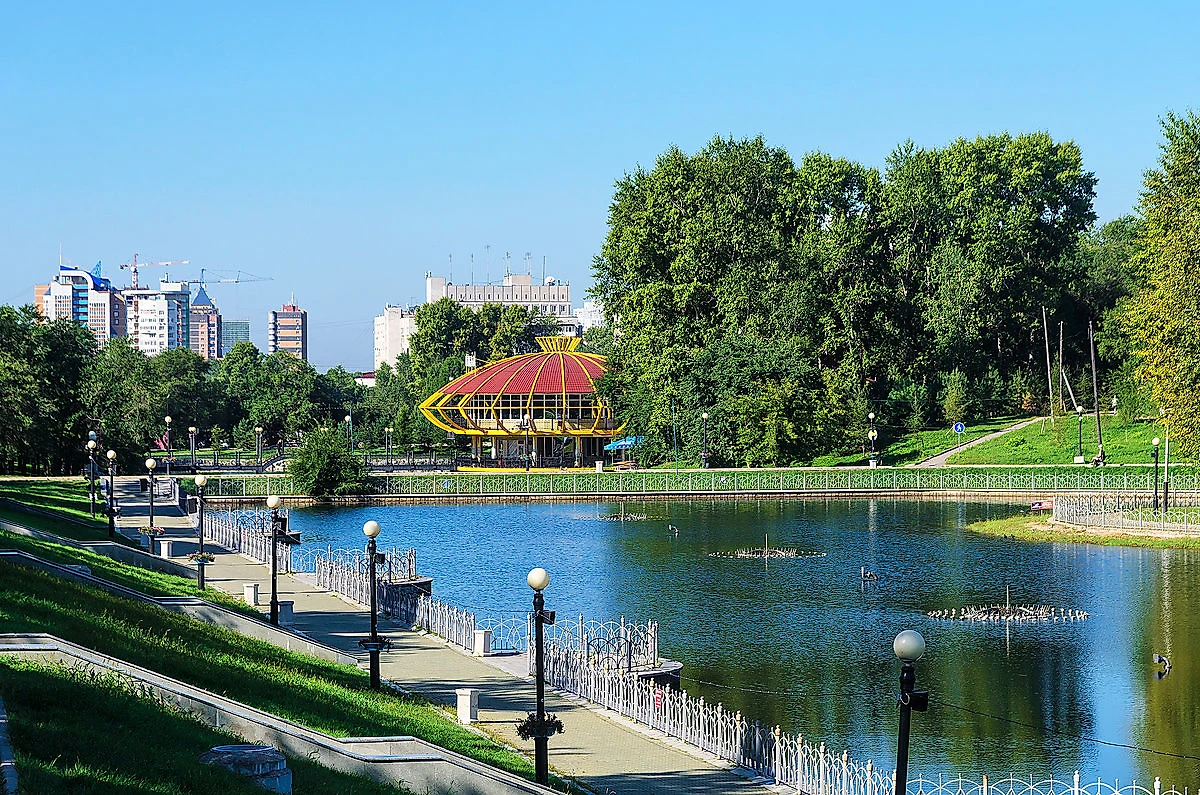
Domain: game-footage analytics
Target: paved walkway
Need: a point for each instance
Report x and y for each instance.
(603, 751)
(940, 459)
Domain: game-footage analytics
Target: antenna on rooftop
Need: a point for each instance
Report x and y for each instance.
(472, 269)
(487, 256)
(451, 279)
(543, 269)
(528, 263)
(507, 257)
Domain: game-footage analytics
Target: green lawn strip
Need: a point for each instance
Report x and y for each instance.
(147, 581)
(77, 732)
(65, 496)
(324, 696)
(1057, 442)
(900, 447)
(50, 524)
(1036, 527)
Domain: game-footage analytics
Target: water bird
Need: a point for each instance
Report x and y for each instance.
(869, 576)
(1165, 663)
(673, 529)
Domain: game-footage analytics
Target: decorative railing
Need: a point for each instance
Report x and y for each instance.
(422, 611)
(1032, 480)
(348, 572)
(247, 533)
(1011, 785)
(1130, 513)
(607, 645)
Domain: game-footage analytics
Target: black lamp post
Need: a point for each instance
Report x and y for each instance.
(258, 432)
(704, 437)
(151, 463)
(112, 495)
(192, 444)
(374, 644)
(91, 448)
(909, 647)
(350, 433)
(538, 579)
(1079, 411)
(528, 424)
(1154, 452)
(387, 443)
(167, 419)
(273, 504)
(872, 434)
(201, 482)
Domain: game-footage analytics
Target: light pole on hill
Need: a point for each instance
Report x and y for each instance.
(527, 423)
(201, 482)
(909, 646)
(167, 419)
(374, 643)
(387, 443)
(704, 436)
(273, 504)
(350, 433)
(150, 465)
(1154, 452)
(1079, 411)
(192, 445)
(538, 579)
(91, 448)
(112, 495)
(258, 432)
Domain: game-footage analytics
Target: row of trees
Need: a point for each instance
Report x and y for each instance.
(57, 385)
(788, 301)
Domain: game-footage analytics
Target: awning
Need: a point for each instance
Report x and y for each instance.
(628, 443)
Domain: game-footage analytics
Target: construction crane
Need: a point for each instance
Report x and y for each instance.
(133, 267)
(238, 279)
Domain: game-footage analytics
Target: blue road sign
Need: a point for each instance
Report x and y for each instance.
(959, 427)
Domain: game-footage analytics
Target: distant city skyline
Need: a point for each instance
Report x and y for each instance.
(336, 148)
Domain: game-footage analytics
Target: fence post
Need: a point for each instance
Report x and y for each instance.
(845, 788)
(776, 752)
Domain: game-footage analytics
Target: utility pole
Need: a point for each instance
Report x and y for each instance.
(1049, 377)
(1096, 395)
(1062, 401)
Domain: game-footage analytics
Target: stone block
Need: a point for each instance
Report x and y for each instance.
(483, 643)
(262, 764)
(468, 705)
(250, 592)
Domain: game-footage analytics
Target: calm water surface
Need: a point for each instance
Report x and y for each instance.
(801, 643)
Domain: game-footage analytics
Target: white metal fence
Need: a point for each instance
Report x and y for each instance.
(1130, 513)
(247, 533)
(348, 572)
(432, 615)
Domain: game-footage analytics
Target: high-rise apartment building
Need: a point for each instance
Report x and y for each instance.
(160, 318)
(205, 326)
(287, 330)
(393, 330)
(87, 299)
(233, 332)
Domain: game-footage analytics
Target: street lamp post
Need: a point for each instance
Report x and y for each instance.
(273, 504)
(350, 433)
(151, 463)
(167, 419)
(1079, 454)
(91, 448)
(909, 646)
(704, 437)
(374, 644)
(538, 579)
(872, 434)
(258, 432)
(201, 482)
(387, 443)
(528, 423)
(112, 495)
(192, 444)
(1154, 452)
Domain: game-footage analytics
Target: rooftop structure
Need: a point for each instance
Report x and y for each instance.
(542, 397)
(86, 298)
(553, 297)
(160, 318)
(287, 330)
(205, 326)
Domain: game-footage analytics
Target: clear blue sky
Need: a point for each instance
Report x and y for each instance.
(346, 149)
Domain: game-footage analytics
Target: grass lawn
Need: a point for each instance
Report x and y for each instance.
(66, 496)
(322, 695)
(148, 581)
(1057, 443)
(900, 447)
(74, 732)
(1036, 527)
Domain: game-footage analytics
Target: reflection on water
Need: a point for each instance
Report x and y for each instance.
(805, 644)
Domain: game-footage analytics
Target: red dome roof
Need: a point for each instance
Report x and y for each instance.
(546, 372)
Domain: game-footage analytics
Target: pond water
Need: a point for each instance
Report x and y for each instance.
(804, 644)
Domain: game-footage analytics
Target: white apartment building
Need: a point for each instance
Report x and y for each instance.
(553, 297)
(393, 330)
(160, 319)
(85, 298)
(590, 315)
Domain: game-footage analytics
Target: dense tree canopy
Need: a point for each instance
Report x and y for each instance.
(788, 301)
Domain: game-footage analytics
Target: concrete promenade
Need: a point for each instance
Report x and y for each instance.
(606, 753)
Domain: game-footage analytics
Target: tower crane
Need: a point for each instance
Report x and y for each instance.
(133, 267)
(238, 279)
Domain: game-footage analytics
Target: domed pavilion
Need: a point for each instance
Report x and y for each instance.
(542, 404)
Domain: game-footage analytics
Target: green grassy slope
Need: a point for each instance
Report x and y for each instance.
(1057, 442)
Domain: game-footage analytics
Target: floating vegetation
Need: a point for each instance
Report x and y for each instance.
(766, 551)
(623, 517)
(1008, 612)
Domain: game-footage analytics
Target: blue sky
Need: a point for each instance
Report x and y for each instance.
(346, 149)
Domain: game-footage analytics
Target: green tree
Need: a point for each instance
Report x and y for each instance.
(323, 466)
(1161, 320)
(956, 400)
